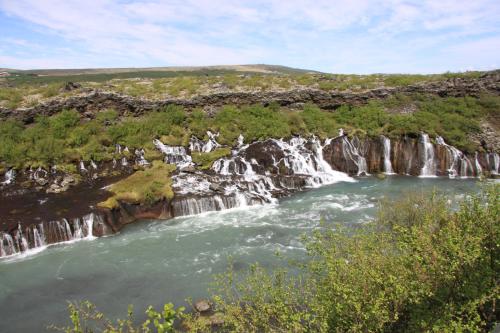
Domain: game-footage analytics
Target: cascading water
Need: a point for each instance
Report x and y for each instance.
(494, 162)
(82, 167)
(39, 236)
(140, 160)
(351, 153)
(241, 140)
(429, 168)
(198, 145)
(174, 154)
(479, 169)
(387, 156)
(9, 177)
(460, 165)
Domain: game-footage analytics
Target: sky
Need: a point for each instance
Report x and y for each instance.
(336, 36)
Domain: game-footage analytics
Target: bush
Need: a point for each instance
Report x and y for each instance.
(419, 267)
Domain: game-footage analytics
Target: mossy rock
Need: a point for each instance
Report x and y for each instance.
(110, 203)
(143, 187)
(204, 161)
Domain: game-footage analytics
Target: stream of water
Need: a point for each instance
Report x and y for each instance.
(153, 262)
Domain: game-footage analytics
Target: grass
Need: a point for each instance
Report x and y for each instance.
(204, 161)
(145, 186)
(25, 89)
(67, 139)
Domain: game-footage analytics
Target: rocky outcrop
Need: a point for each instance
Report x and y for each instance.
(90, 102)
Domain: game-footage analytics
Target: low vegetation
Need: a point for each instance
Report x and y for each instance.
(420, 266)
(144, 186)
(25, 89)
(204, 161)
(66, 138)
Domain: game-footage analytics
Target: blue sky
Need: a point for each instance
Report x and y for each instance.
(345, 36)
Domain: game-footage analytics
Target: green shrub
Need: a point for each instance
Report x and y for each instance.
(419, 267)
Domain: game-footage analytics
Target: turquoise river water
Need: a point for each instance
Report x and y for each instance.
(153, 262)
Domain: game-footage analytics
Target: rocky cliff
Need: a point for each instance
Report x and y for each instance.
(255, 173)
(91, 101)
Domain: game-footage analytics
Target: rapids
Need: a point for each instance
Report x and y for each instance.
(153, 262)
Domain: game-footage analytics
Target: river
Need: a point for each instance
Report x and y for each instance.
(153, 262)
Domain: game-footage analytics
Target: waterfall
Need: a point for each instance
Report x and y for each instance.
(429, 168)
(303, 161)
(93, 165)
(140, 160)
(460, 164)
(198, 205)
(387, 156)
(83, 228)
(124, 161)
(9, 177)
(479, 170)
(351, 153)
(88, 226)
(494, 163)
(22, 243)
(118, 149)
(38, 236)
(7, 245)
(174, 154)
(198, 145)
(240, 140)
(82, 167)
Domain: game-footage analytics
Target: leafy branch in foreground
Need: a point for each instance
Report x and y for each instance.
(85, 318)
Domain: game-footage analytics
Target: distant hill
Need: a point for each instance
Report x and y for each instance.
(43, 76)
(256, 68)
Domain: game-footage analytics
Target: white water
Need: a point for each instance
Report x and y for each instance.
(174, 154)
(479, 169)
(14, 246)
(140, 160)
(9, 177)
(460, 165)
(494, 162)
(82, 167)
(303, 161)
(241, 140)
(387, 156)
(429, 168)
(351, 152)
(198, 145)
(154, 262)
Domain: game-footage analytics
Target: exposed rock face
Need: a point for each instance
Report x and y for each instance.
(257, 173)
(89, 103)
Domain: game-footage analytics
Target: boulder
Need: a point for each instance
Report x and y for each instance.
(189, 169)
(202, 306)
(215, 187)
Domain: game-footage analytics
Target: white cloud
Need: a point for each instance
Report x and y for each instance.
(205, 32)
